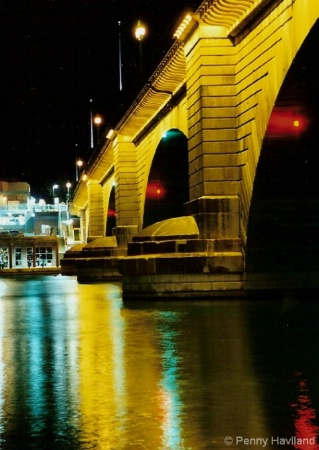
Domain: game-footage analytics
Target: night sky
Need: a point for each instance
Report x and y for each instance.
(55, 56)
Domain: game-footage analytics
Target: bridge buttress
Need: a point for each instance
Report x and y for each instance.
(127, 199)
(214, 173)
(83, 225)
(97, 211)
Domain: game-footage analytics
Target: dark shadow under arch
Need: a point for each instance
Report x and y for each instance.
(111, 214)
(167, 188)
(283, 228)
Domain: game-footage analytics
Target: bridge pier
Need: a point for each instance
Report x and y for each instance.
(217, 217)
(170, 259)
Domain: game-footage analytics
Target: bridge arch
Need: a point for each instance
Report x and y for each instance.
(167, 188)
(273, 46)
(143, 150)
(111, 212)
(284, 212)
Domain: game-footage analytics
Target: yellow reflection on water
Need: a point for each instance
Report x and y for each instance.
(102, 386)
(143, 376)
(169, 389)
(2, 365)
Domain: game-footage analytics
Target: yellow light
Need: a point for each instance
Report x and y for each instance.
(296, 123)
(110, 134)
(140, 31)
(84, 177)
(97, 120)
(180, 30)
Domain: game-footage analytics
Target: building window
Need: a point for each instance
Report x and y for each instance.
(4, 257)
(18, 256)
(30, 256)
(43, 256)
(77, 234)
(45, 229)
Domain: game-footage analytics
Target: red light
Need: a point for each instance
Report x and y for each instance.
(155, 190)
(111, 213)
(286, 122)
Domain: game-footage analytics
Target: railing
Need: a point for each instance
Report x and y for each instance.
(25, 209)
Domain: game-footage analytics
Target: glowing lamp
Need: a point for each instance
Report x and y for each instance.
(140, 31)
(111, 213)
(286, 122)
(155, 190)
(97, 120)
(186, 26)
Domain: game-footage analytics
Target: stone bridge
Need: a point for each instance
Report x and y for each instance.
(221, 144)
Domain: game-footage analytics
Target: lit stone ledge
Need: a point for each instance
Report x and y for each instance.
(181, 286)
(182, 263)
(90, 270)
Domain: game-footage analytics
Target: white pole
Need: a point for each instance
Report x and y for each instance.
(120, 58)
(91, 125)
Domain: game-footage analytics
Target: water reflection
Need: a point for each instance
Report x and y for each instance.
(169, 392)
(304, 419)
(80, 370)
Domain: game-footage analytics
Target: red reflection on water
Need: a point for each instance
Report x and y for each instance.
(305, 416)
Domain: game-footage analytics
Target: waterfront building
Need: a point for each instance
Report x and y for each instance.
(33, 234)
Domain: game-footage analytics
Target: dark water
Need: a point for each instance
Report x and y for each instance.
(81, 370)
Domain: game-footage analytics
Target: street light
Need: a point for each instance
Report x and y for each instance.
(97, 121)
(78, 165)
(140, 32)
(68, 186)
(54, 187)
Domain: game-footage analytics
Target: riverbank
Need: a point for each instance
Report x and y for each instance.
(30, 271)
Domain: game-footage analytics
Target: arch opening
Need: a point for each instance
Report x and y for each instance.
(283, 227)
(111, 214)
(167, 187)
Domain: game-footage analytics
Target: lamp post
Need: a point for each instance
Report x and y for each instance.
(97, 121)
(120, 58)
(54, 187)
(78, 165)
(140, 32)
(68, 186)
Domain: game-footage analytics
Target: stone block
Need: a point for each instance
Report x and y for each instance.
(175, 228)
(146, 265)
(200, 245)
(180, 264)
(225, 262)
(219, 204)
(134, 248)
(167, 247)
(150, 247)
